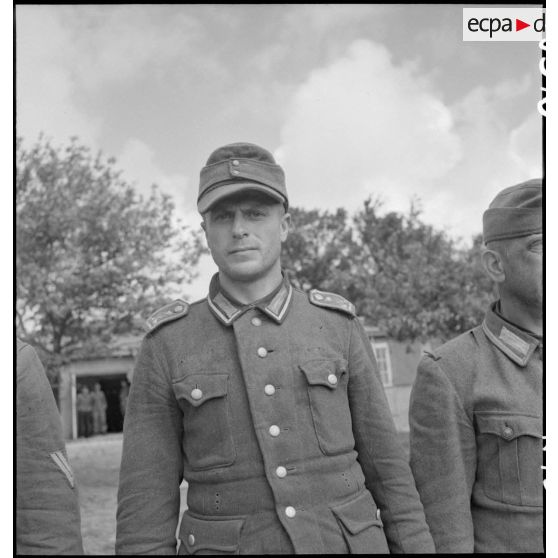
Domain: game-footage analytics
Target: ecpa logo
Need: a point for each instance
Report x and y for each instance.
(503, 24)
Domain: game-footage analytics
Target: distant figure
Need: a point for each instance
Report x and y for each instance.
(99, 410)
(85, 412)
(124, 390)
(47, 509)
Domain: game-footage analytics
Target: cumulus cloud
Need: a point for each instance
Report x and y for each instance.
(45, 89)
(363, 125)
(138, 162)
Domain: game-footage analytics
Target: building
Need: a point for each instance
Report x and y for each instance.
(397, 362)
(114, 373)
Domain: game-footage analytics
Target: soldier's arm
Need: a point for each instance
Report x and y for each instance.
(47, 509)
(387, 472)
(443, 457)
(151, 468)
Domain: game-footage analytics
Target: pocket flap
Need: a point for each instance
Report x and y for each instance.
(358, 514)
(324, 372)
(199, 388)
(509, 426)
(210, 534)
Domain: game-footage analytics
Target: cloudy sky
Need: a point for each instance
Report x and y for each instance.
(354, 100)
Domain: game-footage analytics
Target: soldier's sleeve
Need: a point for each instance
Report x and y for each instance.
(443, 457)
(381, 455)
(47, 508)
(151, 468)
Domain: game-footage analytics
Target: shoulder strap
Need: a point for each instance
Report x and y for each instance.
(331, 300)
(167, 313)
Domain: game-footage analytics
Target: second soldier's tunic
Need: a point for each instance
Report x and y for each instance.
(476, 440)
(276, 416)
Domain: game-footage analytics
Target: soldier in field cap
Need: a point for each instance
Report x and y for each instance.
(476, 406)
(267, 400)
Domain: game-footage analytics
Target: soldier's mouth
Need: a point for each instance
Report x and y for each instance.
(240, 250)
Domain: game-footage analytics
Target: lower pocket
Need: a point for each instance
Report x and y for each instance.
(361, 526)
(209, 536)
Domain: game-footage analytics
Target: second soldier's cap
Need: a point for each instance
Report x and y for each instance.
(516, 211)
(237, 167)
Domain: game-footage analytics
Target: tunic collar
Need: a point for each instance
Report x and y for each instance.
(227, 309)
(514, 342)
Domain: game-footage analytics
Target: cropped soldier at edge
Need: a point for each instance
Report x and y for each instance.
(476, 406)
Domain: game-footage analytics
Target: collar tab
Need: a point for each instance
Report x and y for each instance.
(227, 310)
(518, 345)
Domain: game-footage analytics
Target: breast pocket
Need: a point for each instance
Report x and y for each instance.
(510, 457)
(204, 401)
(327, 391)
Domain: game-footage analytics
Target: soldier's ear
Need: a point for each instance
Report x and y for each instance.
(493, 263)
(285, 226)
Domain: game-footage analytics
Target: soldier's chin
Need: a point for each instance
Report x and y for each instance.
(245, 271)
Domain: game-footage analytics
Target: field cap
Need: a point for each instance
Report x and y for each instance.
(237, 167)
(516, 211)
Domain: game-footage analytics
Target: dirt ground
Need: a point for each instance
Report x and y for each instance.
(96, 462)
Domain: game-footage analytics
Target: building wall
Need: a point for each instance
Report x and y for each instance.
(403, 361)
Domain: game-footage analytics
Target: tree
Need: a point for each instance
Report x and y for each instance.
(403, 275)
(92, 255)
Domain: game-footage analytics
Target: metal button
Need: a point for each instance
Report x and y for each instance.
(281, 472)
(332, 379)
(269, 389)
(256, 322)
(178, 308)
(235, 163)
(378, 514)
(196, 393)
(262, 352)
(191, 539)
(274, 430)
(235, 172)
(508, 432)
(290, 511)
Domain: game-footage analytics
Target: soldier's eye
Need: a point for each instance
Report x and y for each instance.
(221, 215)
(255, 213)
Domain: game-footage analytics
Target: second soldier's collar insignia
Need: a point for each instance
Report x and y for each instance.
(227, 310)
(518, 345)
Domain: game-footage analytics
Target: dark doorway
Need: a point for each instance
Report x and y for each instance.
(111, 385)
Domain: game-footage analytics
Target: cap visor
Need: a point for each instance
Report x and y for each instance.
(207, 201)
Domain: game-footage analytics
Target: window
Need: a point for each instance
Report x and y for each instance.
(381, 350)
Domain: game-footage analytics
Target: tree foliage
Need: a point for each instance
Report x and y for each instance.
(92, 255)
(403, 275)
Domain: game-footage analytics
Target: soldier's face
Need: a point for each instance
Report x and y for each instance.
(522, 261)
(244, 234)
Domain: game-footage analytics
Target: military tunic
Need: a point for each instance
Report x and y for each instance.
(47, 509)
(275, 415)
(476, 440)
